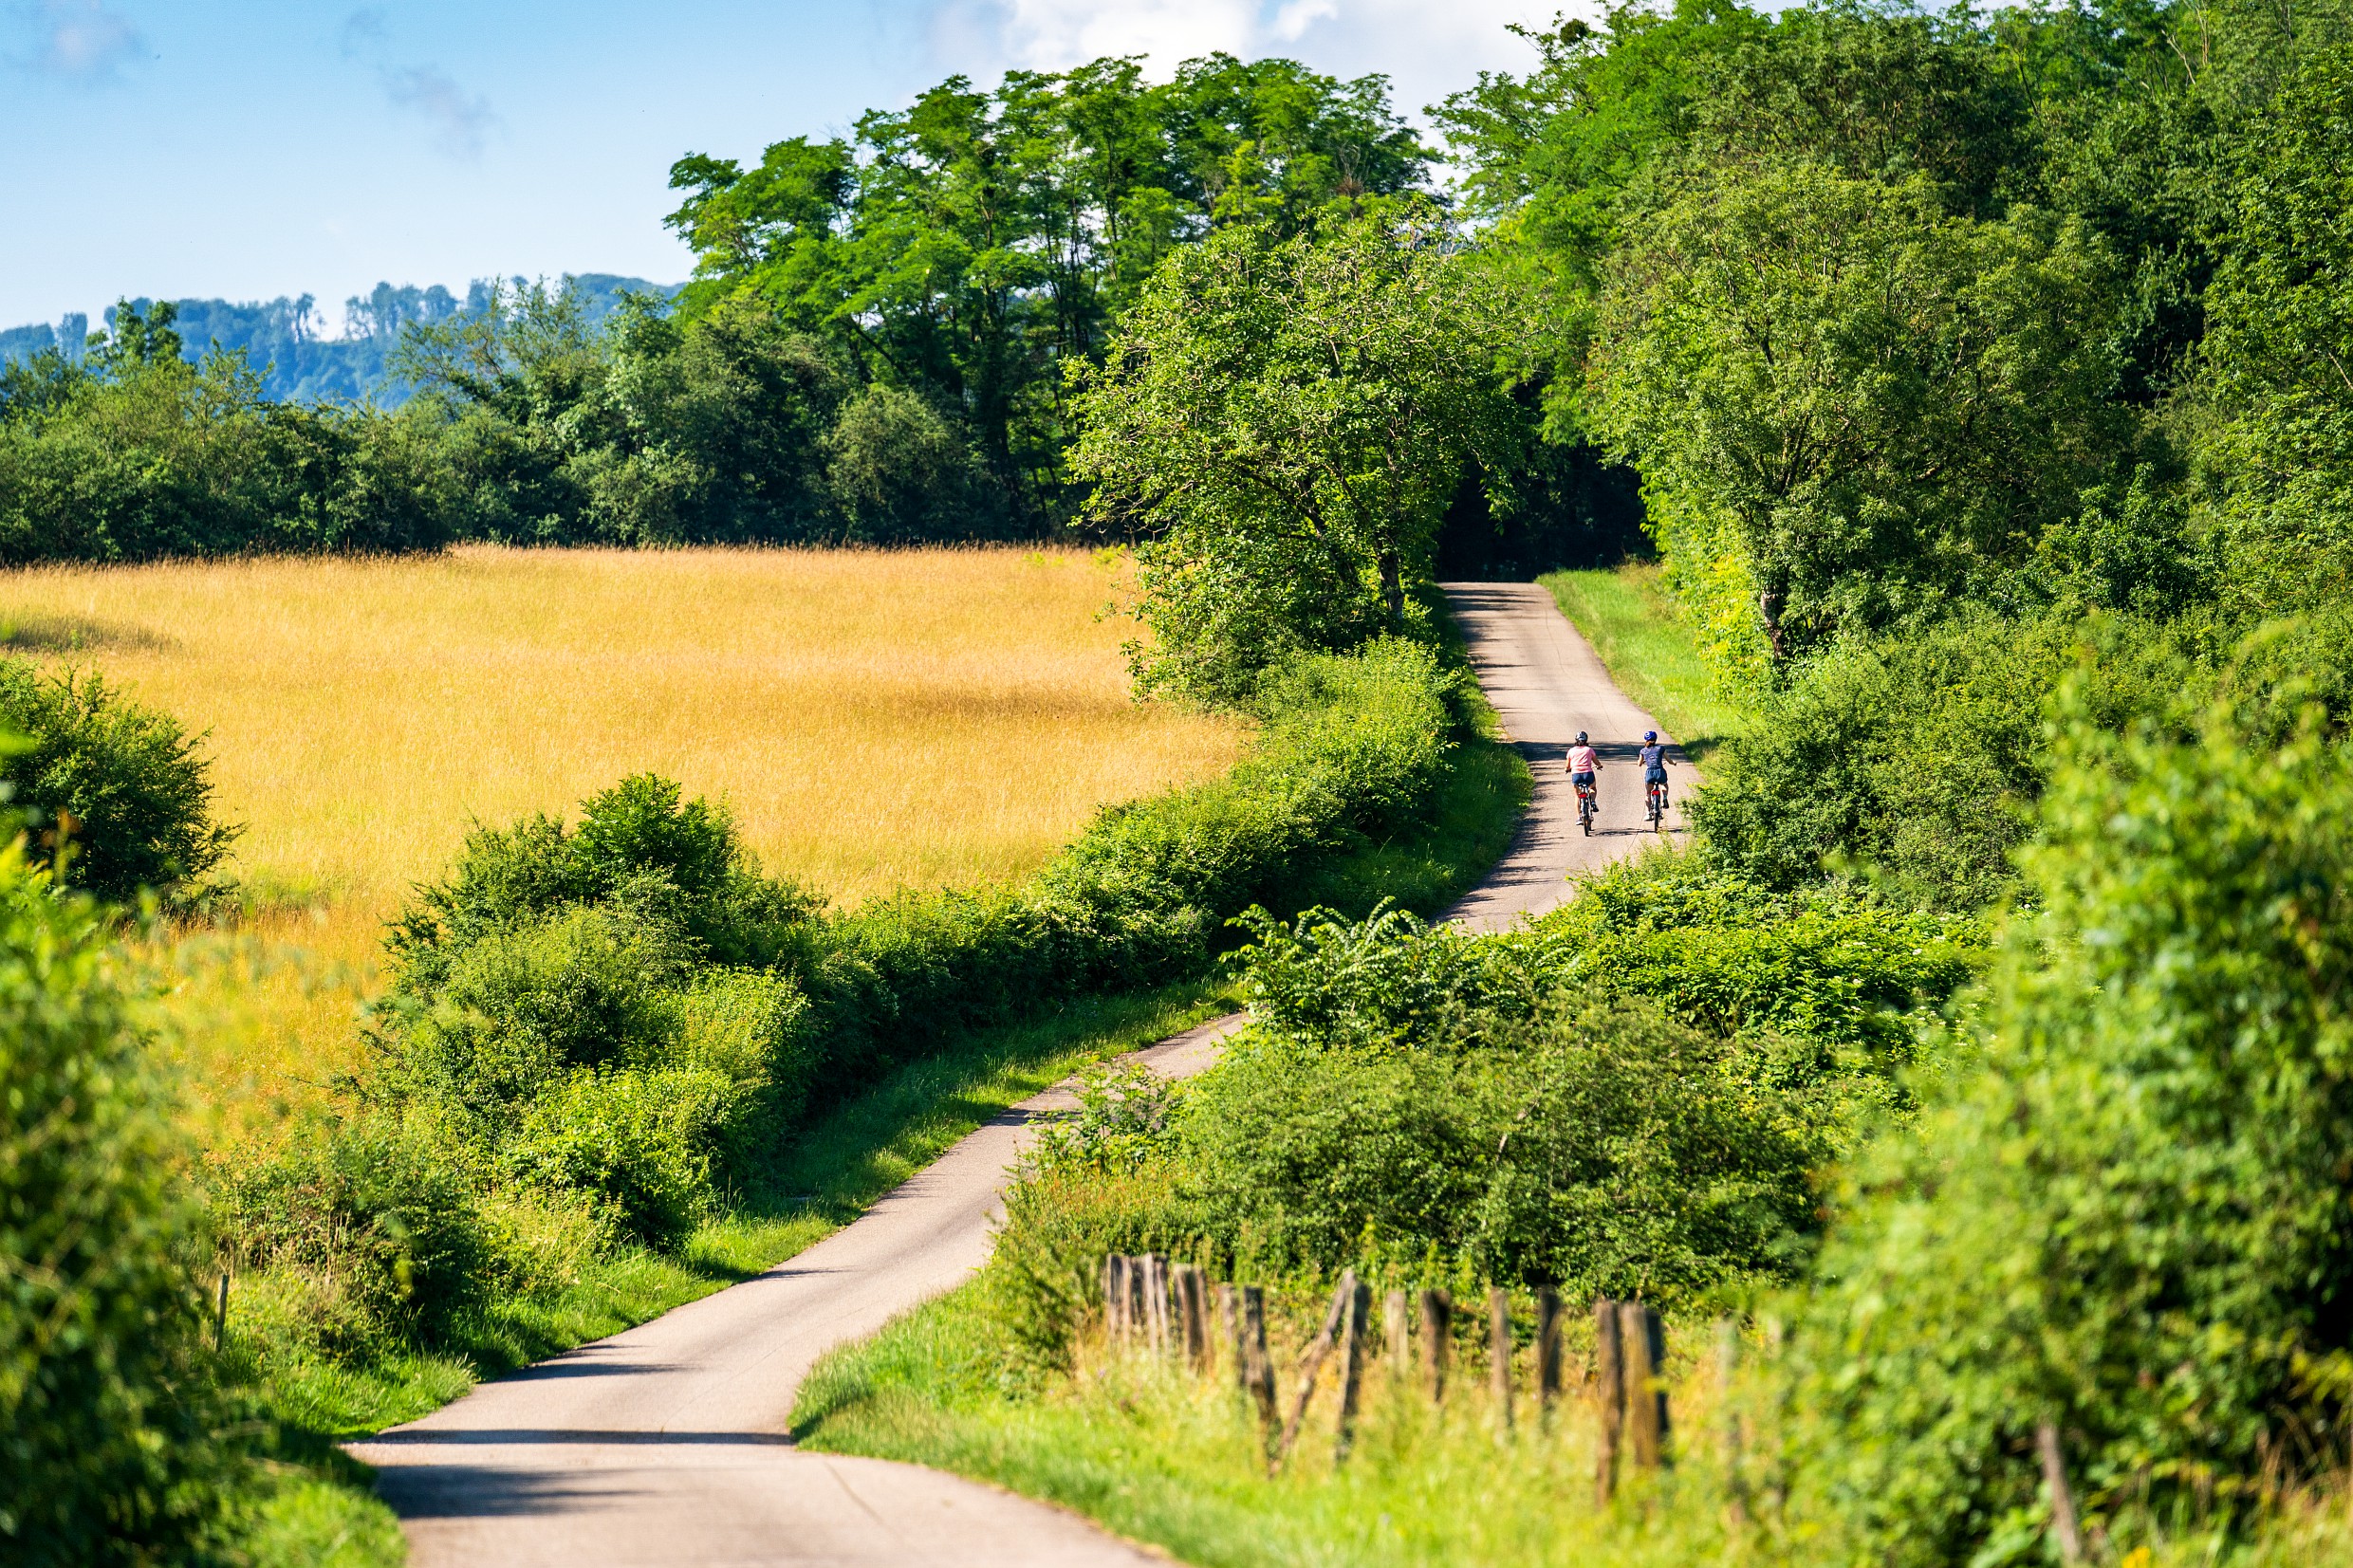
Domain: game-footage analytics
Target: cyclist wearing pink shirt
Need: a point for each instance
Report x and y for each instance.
(1583, 764)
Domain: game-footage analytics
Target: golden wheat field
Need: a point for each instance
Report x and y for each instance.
(873, 719)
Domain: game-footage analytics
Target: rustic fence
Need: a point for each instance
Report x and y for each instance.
(1159, 1307)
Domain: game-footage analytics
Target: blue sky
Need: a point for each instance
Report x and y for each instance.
(247, 149)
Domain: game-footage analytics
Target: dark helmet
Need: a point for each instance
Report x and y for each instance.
(1650, 734)
(1580, 737)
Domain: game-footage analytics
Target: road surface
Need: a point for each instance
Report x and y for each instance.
(666, 1444)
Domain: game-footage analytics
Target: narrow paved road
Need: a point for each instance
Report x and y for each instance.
(666, 1444)
(1547, 684)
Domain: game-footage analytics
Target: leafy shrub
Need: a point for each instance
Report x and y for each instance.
(1817, 988)
(638, 846)
(136, 787)
(1607, 1149)
(381, 1210)
(1919, 755)
(2129, 1220)
(520, 1009)
(109, 1446)
(748, 1029)
(636, 1143)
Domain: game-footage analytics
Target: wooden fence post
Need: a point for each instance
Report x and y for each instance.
(1547, 1349)
(1229, 1324)
(1114, 1300)
(1138, 1325)
(1352, 1347)
(1252, 1364)
(1399, 1333)
(220, 1317)
(1311, 1364)
(1437, 1338)
(1499, 1355)
(1609, 1398)
(1193, 1303)
(1155, 1301)
(1641, 1344)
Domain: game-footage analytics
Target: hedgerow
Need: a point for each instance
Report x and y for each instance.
(625, 1015)
(2123, 1218)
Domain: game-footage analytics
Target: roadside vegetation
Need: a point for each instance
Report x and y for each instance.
(1977, 1080)
(1652, 650)
(615, 1065)
(1974, 1067)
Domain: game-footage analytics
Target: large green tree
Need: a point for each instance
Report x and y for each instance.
(1848, 404)
(963, 249)
(1285, 419)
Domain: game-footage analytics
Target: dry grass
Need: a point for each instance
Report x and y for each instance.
(874, 720)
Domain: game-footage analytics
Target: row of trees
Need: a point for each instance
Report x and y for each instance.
(873, 347)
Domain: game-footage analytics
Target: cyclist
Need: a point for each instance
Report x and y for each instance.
(1582, 766)
(1654, 762)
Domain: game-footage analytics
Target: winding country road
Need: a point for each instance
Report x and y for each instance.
(666, 1444)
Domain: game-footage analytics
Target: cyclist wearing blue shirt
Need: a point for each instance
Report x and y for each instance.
(1653, 757)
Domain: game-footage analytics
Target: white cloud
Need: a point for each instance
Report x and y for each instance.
(1297, 17)
(1053, 34)
(81, 39)
(462, 122)
(1427, 47)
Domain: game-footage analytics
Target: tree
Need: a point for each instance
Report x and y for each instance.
(1847, 404)
(1288, 418)
(111, 1417)
(964, 248)
(2278, 358)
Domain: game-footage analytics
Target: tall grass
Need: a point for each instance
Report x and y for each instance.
(1162, 1456)
(876, 720)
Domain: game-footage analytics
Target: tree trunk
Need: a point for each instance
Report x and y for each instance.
(1393, 589)
(1768, 609)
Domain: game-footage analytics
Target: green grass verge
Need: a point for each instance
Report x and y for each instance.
(1650, 650)
(1162, 1457)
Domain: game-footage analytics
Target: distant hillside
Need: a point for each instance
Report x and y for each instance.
(288, 341)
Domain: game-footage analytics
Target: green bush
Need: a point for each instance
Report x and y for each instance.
(639, 846)
(1920, 755)
(1606, 1149)
(381, 1210)
(639, 1144)
(521, 1008)
(109, 1427)
(2129, 1220)
(123, 785)
(1817, 990)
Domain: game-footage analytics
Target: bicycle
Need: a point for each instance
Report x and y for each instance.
(1658, 807)
(1585, 807)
